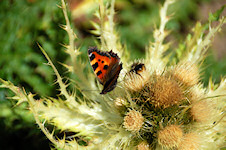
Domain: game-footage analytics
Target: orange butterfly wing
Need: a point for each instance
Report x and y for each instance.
(106, 67)
(100, 63)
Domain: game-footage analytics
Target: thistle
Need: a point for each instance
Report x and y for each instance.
(133, 121)
(190, 141)
(170, 136)
(158, 105)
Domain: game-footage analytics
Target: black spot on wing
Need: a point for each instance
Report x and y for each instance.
(95, 66)
(99, 73)
(105, 67)
(92, 57)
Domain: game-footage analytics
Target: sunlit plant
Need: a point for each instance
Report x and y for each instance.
(158, 103)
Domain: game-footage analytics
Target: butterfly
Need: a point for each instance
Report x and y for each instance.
(106, 66)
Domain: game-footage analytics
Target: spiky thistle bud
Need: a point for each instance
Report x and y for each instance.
(190, 141)
(164, 92)
(119, 102)
(196, 93)
(143, 146)
(170, 136)
(186, 73)
(202, 110)
(133, 121)
(134, 82)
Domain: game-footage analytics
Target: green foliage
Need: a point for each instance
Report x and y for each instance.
(213, 69)
(216, 16)
(26, 23)
(23, 24)
(142, 17)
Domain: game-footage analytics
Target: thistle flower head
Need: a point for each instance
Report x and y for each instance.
(121, 104)
(164, 92)
(170, 136)
(134, 82)
(143, 146)
(190, 141)
(202, 111)
(133, 121)
(202, 108)
(186, 73)
(196, 93)
(136, 78)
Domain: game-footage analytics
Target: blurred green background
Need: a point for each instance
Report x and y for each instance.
(25, 23)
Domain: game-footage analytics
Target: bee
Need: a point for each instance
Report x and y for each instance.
(137, 68)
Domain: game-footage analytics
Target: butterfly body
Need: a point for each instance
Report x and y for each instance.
(106, 66)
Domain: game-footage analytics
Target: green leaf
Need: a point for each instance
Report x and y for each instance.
(215, 16)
